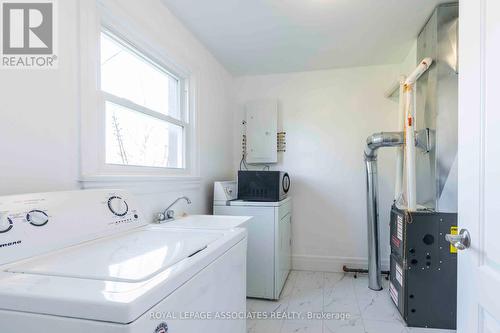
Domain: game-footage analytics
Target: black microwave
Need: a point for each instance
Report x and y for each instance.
(270, 186)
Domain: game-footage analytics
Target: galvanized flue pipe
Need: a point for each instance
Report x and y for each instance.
(373, 143)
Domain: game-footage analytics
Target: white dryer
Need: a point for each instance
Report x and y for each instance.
(269, 239)
(86, 261)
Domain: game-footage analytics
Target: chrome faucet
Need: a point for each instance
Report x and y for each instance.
(168, 214)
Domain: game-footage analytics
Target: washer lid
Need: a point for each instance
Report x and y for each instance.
(131, 257)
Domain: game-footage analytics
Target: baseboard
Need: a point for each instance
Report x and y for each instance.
(330, 264)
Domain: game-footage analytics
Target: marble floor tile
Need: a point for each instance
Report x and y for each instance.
(264, 326)
(376, 326)
(308, 282)
(378, 307)
(375, 305)
(307, 293)
(342, 306)
(335, 295)
(338, 285)
(304, 303)
(350, 325)
(339, 296)
(259, 305)
(302, 326)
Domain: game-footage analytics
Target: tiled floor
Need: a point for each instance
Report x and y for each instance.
(335, 293)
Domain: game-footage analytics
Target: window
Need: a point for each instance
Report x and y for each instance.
(145, 105)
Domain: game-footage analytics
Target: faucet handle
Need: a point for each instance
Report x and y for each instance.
(170, 214)
(160, 217)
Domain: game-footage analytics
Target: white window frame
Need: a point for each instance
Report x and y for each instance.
(95, 17)
(182, 94)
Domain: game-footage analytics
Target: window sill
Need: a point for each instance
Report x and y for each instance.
(140, 184)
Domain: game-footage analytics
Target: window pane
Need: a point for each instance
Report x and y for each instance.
(133, 138)
(127, 75)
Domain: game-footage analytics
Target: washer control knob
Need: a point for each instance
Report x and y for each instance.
(37, 218)
(5, 223)
(118, 206)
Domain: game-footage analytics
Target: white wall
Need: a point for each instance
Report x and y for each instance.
(39, 111)
(327, 116)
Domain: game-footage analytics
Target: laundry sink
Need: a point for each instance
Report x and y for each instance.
(209, 222)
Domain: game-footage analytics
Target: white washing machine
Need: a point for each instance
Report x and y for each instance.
(269, 239)
(86, 261)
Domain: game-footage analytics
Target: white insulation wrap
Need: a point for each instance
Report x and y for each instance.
(398, 188)
(411, 174)
(421, 68)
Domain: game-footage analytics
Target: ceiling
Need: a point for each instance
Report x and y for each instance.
(275, 36)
